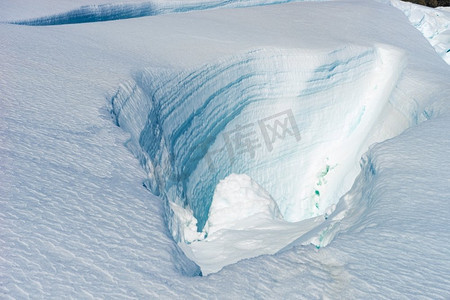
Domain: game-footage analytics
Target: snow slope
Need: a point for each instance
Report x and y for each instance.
(76, 221)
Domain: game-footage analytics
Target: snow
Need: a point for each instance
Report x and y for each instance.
(183, 224)
(194, 115)
(77, 222)
(244, 221)
(239, 203)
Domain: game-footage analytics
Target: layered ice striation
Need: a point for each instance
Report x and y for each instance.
(119, 11)
(294, 121)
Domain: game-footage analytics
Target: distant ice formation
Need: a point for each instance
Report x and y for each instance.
(433, 23)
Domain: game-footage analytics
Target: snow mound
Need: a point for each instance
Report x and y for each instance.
(244, 221)
(239, 203)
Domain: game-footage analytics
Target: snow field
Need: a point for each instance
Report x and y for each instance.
(77, 223)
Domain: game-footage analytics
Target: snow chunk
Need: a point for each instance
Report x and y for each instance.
(183, 225)
(238, 203)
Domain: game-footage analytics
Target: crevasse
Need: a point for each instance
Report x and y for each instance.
(296, 121)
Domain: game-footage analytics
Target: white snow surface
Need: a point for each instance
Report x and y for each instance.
(359, 80)
(238, 200)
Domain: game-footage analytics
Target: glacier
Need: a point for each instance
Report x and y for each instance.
(350, 202)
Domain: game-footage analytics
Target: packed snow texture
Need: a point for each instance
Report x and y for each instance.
(76, 221)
